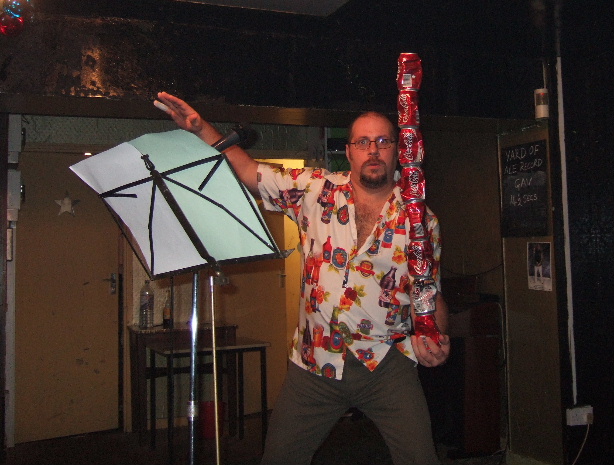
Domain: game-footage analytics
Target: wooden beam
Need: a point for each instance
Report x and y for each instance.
(141, 109)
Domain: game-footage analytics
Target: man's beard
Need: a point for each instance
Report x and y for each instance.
(374, 181)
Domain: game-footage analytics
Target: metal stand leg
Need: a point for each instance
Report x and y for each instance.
(215, 278)
(152, 400)
(192, 409)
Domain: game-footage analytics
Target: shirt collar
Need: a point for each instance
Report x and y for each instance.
(339, 178)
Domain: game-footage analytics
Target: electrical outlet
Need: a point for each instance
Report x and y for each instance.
(580, 415)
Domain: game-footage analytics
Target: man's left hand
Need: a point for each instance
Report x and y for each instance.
(428, 352)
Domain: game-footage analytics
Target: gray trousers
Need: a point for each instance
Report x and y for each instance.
(391, 396)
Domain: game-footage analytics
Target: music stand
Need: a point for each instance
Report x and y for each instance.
(202, 202)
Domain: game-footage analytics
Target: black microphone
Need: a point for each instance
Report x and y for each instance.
(237, 135)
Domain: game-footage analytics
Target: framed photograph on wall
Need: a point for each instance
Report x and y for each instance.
(539, 266)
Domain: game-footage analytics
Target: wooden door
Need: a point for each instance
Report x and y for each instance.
(66, 328)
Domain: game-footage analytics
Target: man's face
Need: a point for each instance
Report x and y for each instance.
(373, 167)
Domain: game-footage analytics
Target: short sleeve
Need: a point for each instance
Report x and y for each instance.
(283, 189)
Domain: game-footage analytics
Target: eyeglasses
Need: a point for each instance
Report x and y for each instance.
(380, 143)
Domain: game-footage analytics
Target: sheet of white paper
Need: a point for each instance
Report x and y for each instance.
(224, 216)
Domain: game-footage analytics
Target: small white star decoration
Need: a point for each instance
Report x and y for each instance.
(67, 205)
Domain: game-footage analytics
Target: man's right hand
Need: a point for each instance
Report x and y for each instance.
(187, 118)
(183, 114)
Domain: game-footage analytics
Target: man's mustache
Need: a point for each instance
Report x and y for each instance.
(374, 162)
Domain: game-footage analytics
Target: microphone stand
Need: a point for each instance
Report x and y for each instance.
(216, 278)
(237, 135)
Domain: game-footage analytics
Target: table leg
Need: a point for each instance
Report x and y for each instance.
(263, 394)
(170, 406)
(152, 399)
(231, 370)
(241, 396)
(138, 389)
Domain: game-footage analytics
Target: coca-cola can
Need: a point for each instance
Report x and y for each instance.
(420, 257)
(411, 146)
(409, 71)
(414, 210)
(423, 295)
(412, 183)
(407, 108)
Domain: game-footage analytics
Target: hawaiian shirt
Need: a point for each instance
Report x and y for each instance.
(351, 298)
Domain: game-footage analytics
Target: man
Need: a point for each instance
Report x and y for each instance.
(354, 296)
(537, 261)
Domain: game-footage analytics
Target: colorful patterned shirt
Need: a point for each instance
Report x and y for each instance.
(351, 299)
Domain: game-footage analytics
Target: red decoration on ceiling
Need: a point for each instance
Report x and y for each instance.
(14, 15)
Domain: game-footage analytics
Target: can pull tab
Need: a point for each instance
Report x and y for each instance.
(112, 283)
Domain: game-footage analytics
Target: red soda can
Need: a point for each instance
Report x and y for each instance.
(412, 184)
(420, 257)
(411, 146)
(409, 71)
(414, 209)
(407, 108)
(425, 326)
(423, 295)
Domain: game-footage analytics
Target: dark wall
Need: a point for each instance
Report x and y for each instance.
(4, 153)
(588, 79)
(479, 57)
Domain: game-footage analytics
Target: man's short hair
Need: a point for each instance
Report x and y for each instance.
(370, 113)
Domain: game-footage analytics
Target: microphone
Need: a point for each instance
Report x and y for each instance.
(237, 135)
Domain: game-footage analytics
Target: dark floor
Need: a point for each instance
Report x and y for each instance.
(353, 441)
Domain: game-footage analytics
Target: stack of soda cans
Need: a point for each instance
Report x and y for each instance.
(411, 156)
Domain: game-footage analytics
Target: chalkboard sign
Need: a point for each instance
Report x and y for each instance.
(524, 190)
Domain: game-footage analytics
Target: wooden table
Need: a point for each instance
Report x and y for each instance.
(140, 373)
